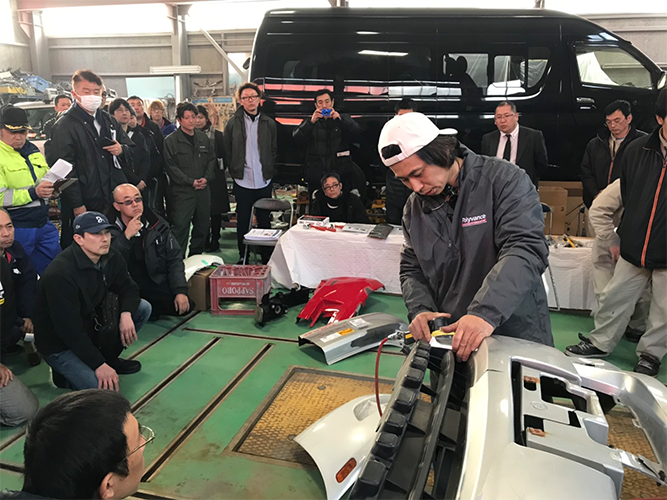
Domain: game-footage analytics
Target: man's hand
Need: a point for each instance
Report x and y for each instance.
(615, 252)
(27, 327)
(6, 376)
(107, 378)
(141, 186)
(334, 114)
(419, 327)
(115, 149)
(44, 189)
(133, 227)
(470, 331)
(200, 183)
(79, 210)
(316, 116)
(181, 303)
(128, 334)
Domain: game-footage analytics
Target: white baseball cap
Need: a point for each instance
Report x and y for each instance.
(407, 133)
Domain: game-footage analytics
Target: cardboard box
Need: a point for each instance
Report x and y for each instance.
(199, 289)
(556, 198)
(574, 222)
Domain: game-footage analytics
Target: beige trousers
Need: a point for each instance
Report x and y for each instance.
(617, 303)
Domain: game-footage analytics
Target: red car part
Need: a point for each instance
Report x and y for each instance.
(338, 299)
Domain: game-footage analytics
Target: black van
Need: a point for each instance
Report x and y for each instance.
(457, 64)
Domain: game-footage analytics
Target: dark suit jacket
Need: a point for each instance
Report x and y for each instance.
(531, 155)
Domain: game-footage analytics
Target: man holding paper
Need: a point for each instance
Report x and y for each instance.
(25, 188)
(96, 146)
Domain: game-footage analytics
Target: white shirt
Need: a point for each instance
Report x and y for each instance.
(514, 138)
(253, 178)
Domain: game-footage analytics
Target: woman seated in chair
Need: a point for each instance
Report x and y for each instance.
(335, 202)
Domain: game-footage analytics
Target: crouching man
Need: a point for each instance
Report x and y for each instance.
(88, 309)
(153, 256)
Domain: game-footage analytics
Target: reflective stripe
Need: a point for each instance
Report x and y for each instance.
(7, 196)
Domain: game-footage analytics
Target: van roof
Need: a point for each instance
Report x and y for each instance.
(417, 12)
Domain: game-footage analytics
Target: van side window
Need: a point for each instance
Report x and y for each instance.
(497, 72)
(611, 66)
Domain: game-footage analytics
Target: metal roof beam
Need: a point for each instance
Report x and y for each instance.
(46, 4)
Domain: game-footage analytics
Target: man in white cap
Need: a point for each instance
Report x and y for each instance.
(474, 238)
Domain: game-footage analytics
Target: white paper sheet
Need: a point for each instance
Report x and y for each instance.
(58, 171)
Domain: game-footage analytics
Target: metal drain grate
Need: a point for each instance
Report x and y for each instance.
(306, 396)
(624, 435)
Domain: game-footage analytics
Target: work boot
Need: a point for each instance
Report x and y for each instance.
(633, 335)
(585, 349)
(125, 366)
(648, 365)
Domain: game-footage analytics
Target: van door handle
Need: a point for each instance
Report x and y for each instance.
(586, 102)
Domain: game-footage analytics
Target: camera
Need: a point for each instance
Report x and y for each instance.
(326, 112)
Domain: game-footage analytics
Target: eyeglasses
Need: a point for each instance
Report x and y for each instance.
(332, 187)
(506, 116)
(249, 97)
(147, 435)
(127, 203)
(615, 121)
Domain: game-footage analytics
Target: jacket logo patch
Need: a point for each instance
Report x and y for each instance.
(474, 220)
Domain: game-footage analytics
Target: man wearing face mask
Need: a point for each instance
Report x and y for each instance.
(92, 141)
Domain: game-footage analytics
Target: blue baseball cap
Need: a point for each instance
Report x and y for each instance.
(91, 222)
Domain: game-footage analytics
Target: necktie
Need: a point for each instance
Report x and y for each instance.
(507, 153)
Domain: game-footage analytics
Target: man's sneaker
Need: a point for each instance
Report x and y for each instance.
(59, 380)
(648, 365)
(585, 349)
(633, 335)
(125, 366)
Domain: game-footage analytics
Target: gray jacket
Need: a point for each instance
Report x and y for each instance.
(485, 257)
(234, 141)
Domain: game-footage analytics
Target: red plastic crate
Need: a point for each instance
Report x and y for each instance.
(241, 283)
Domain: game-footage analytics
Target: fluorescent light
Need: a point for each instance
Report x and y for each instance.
(382, 53)
(174, 70)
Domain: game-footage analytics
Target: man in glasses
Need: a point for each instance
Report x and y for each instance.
(474, 238)
(84, 444)
(251, 144)
(152, 253)
(599, 167)
(337, 202)
(520, 145)
(88, 310)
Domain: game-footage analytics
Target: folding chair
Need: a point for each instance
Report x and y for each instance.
(546, 209)
(271, 205)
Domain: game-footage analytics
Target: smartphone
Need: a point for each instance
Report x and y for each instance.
(105, 141)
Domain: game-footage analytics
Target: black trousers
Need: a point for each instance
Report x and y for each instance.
(245, 198)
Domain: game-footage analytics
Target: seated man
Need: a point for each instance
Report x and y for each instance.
(107, 461)
(336, 203)
(23, 284)
(22, 189)
(80, 328)
(152, 253)
(19, 404)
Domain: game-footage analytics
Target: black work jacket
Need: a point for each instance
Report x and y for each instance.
(162, 253)
(74, 138)
(68, 293)
(597, 169)
(643, 228)
(186, 162)
(483, 257)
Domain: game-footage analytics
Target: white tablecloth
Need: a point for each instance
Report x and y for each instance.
(307, 256)
(573, 273)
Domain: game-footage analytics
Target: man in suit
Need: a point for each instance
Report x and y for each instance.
(522, 146)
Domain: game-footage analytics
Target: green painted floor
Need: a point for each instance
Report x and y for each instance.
(202, 379)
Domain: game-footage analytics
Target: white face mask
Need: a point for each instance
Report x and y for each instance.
(90, 102)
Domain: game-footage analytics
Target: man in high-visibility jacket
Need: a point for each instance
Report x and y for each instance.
(23, 193)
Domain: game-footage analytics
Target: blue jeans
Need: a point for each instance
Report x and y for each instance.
(79, 374)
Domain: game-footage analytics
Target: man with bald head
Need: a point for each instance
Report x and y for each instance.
(153, 255)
